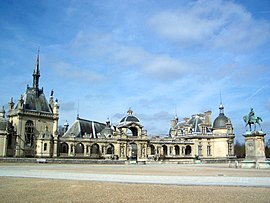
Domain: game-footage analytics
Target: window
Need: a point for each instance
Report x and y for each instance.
(64, 148)
(200, 150)
(188, 150)
(208, 150)
(94, 149)
(29, 133)
(153, 151)
(79, 149)
(165, 150)
(110, 149)
(177, 150)
(45, 147)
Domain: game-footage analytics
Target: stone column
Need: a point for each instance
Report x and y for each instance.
(55, 147)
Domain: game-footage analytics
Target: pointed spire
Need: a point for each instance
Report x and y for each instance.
(36, 74)
(221, 107)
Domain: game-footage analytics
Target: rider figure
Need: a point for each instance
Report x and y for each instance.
(251, 114)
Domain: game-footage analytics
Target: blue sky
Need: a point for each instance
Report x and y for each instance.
(157, 57)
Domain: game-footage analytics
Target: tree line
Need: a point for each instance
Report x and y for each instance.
(239, 149)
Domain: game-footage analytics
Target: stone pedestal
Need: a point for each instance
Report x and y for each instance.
(255, 151)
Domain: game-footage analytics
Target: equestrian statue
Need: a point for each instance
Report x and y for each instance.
(251, 119)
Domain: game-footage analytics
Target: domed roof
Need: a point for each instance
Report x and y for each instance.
(221, 120)
(129, 117)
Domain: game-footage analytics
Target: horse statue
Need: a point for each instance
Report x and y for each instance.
(251, 119)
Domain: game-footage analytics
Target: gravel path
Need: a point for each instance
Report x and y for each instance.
(136, 174)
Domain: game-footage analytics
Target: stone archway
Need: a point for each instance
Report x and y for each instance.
(153, 150)
(188, 150)
(133, 151)
(132, 131)
(79, 149)
(63, 148)
(165, 150)
(110, 149)
(94, 151)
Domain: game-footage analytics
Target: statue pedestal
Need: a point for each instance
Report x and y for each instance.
(255, 151)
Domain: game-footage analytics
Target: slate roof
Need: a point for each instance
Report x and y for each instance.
(81, 128)
(220, 121)
(35, 101)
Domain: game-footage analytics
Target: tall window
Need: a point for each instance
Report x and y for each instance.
(94, 149)
(177, 150)
(110, 149)
(152, 147)
(45, 146)
(29, 133)
(200, 150)
(208, 150)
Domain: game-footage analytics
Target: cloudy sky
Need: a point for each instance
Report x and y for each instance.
(158, 57)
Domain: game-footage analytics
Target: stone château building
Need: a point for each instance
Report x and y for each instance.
(31, 130)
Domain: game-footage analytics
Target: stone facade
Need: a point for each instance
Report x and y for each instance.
(31, 130)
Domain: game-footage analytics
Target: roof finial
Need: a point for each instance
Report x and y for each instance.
(130, 112)
(221, 107)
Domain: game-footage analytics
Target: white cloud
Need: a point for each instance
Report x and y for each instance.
(67, 71)
(218, 24)
(157, 66)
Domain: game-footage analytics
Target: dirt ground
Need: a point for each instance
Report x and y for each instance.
(46, 190)
(52, 190)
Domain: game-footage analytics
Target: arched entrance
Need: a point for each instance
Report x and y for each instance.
(153, 151)
(79, 149)
(165, 150)
(64, 148)
(133, 151)
(132, 131)
(110, 149)
(188, 150)
(94, 151)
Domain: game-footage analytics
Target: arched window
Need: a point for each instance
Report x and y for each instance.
(177, 150)
(132, 131)
(29, 133)
(188, 150)
(64, 148)
(94, 149)
(153, 151)
(110, 149)
(79, 149)
(45, 147)
(165, 150)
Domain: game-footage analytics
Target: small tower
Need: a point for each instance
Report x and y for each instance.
(66, 125)
(2, 112)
